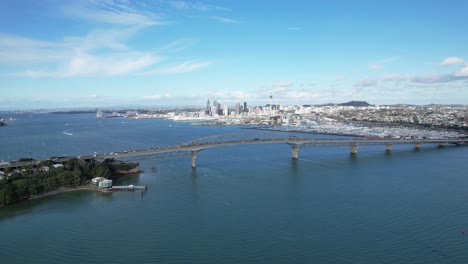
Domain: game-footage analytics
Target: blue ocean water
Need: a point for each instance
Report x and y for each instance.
(242, 204)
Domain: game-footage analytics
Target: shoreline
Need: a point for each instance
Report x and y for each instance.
(59, 191)
(65, 190)
(305, 132)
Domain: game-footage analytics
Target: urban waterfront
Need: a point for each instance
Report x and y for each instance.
(242, 204)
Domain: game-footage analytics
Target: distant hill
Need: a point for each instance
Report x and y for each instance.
(355, 103)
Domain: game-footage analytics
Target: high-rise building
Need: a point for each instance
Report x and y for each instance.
(218, 106)
(238, 109)
(245, 107)
(208, 107)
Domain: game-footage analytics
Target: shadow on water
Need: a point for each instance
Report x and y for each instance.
(353, 157)
(294, 166)
(295, 171)
(194, 176)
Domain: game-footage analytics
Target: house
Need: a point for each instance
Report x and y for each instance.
(105, 183)
(102, 182)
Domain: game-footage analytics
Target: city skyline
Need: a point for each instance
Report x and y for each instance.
(60, 54)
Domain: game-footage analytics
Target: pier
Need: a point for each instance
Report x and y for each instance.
(129, 188)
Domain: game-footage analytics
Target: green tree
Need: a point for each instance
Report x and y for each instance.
(8, 194)
(22, 188)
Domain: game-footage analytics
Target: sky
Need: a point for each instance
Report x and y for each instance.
(106, 53)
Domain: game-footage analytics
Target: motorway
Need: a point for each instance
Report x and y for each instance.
(197, 145)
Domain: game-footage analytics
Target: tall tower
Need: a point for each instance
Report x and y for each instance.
(208, 107)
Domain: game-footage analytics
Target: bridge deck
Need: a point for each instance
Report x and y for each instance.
(197, 145)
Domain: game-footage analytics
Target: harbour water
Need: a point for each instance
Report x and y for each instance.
(242, 204)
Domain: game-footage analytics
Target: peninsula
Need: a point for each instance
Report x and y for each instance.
(49, 178)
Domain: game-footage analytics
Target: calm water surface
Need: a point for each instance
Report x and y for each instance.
(243, 204)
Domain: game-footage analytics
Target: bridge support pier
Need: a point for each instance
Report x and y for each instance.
(194, 159)
(294, 151)
(353, 150)
(388, 147)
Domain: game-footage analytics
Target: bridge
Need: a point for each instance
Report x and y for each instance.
(190, 149)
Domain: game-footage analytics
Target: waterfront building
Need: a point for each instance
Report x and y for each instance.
(101, 182)
(105, 183)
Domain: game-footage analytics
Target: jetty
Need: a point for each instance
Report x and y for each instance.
(129, 188)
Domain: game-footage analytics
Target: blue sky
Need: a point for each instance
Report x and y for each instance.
(96, 53)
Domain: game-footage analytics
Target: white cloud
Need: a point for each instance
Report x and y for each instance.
(463, 72)
(83, 64)
(340, 77)
(366, 82)
(376, 67)
(110, 12)
(157, 96)
(185, 67)
(224, 20)
(100, 52)
(451, 61)
(186, 5)
(178, 45)
(394, 77)
(388, 60)
(283, 84)
(380, 65)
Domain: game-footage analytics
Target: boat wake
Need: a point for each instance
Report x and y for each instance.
(67, 133)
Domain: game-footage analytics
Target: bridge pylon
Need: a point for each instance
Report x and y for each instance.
(353, 149)
(388, 147)
(294, 151)
(194, 159)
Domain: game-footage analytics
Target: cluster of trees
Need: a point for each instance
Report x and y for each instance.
(29, 181)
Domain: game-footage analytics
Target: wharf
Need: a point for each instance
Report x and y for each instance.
(130, 188)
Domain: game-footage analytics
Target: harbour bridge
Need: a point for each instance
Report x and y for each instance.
(294, 140)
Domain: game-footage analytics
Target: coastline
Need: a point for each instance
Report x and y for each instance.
(304, 132)
(71, 189)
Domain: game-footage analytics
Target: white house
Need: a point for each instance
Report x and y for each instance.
(102, 182)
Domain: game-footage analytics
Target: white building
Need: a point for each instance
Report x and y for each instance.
(102, 182)
(105, 183)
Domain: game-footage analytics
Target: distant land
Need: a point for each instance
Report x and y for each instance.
(165, 109)
(356, 103)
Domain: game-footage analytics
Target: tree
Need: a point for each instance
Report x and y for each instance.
(22, 187)
(8, 194)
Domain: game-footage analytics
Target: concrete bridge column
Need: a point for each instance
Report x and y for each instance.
(388, 147)
(354, 150)
(294, 151)
(194, 159)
